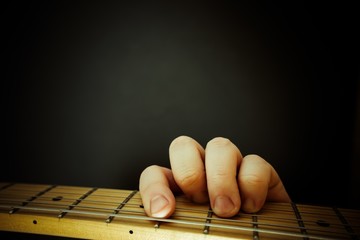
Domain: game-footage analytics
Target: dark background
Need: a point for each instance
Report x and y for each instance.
(93, 93)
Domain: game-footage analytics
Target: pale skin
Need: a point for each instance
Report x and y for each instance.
(218, 174)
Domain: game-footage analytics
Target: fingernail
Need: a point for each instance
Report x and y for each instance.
(249, 206)
(223, 206)
(157, 205)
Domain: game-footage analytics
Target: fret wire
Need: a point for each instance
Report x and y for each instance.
(69, 193)
(178, 208)
(122, 211)
(190, 217)
(116, 211)
(263, 217)
(80, 206)
(322, 211)
(269, 210)
(6, 186)
(102, 195)
(187, 209)
(255, 226)
(94, 195)
(191, 210)
(300, 221)
(221, 226)
(94, 201)
(84, 200)
(77, 201)
(32, 198)
(276, 210)
(302, 211)
(57, 204)
(345, 223)
(105, 202)
(208, 220)
(276, 225)
(317, 213)
(239, 221)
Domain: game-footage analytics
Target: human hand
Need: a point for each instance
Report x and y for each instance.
(217, 173)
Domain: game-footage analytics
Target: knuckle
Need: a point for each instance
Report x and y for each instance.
(144, 183)
(252, 180)
(259, 161)
(219, 142)
(151, 168)
(189, 178)
(254, 156)
(180, 141)
(222, 175)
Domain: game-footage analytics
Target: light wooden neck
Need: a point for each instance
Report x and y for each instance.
(94, 213)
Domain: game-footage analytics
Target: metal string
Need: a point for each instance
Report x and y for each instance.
(50, 203)
(141, 212)
(125, 211)
(177, 221)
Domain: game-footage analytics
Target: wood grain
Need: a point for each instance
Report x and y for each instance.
(92, 213)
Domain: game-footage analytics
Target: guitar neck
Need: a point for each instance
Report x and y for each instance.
(99, 213)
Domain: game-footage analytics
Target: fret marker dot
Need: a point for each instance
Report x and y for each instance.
(58, 198)
(322, 223)
(131, 232)
(34, 222)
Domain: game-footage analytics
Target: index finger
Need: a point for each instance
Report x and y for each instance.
(156, 189)
(187, 164)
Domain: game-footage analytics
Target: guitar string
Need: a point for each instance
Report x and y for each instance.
(204, 211)
(183, 216)
(123, 196)
(124, 192)
(274, 208)
(177, 208)
(192, 217)
(264, 225)
(177, 221)
(21, 190)
(287, 227)
(47, 203)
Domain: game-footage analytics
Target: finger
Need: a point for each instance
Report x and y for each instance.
(258, 182)
(156, 186)
(186, 159)
(222, 161)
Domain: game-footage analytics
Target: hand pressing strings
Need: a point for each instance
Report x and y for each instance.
(219, 174)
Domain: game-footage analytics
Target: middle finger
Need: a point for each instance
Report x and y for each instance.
(222, 159)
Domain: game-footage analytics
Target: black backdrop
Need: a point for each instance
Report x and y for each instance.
(93, 93)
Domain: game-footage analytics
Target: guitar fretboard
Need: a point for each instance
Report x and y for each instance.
(99, 213)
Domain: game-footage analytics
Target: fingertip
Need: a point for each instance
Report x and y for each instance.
(251, 205)
(158, 201)
(156, 185)
(160, 207)
(224, 206)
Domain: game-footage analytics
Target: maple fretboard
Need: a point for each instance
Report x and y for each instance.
(99, 213)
